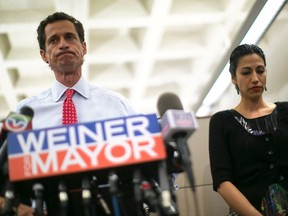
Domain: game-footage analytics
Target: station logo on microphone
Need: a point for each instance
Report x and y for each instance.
(85, 147)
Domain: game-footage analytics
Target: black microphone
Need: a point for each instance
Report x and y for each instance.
(113, 184)
(38, 193)
(137, 180)
(177, 126)
(99, 198)
(9, 199)
(86, 196)
(14, 122)
(63, 198)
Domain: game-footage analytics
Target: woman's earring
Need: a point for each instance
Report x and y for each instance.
(237, 89)
(265, 88)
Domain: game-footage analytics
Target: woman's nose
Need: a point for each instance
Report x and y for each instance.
(255, 78)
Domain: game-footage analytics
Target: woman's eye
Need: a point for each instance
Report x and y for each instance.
(260, 70)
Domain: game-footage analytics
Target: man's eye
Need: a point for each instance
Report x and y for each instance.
(245, 73)
(53, 40)
(70, 37)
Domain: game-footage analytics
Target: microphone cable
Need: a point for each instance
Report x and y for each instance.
(113, 182)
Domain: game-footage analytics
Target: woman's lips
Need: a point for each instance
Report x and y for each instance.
(256, 88)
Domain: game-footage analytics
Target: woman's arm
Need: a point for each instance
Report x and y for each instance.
(236, 200)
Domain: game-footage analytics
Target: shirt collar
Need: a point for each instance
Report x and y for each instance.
(58, 89)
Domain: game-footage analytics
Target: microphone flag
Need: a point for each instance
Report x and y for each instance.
(175, 122)
(16, 122)
(85, 147)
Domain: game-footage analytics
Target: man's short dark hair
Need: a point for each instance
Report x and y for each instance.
(41, 37)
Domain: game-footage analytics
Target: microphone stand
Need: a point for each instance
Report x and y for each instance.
(99, 198)
(113, 182)
(86, 196)
(166, 205)
(63, 198)
(137, 191)
(150, 197)
(38, 192)
(9, 194)
(185, 155)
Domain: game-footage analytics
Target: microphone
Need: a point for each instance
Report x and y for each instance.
(86, 196)
(27, 111)
(38, 192)
(15, 122)
(99, 198)
(63, 198)
(177, 126)
(3, 133)
(113, 182)
(9, 199)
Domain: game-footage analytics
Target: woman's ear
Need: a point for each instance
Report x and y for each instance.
(233, 79)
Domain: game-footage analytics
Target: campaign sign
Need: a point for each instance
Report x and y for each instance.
(85, 147)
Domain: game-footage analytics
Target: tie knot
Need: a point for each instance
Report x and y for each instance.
(69, 93)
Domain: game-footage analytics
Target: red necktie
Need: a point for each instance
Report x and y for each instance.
(69, 110)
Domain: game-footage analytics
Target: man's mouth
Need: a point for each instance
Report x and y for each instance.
(64, 53)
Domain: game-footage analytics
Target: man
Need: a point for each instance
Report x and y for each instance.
(63, 47)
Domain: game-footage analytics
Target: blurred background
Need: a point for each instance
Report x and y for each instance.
(143, 48)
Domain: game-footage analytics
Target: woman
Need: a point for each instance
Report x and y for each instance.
(248, 145)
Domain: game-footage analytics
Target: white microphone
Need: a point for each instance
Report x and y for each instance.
(174, 120)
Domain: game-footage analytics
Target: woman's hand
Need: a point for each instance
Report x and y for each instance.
(236, 200)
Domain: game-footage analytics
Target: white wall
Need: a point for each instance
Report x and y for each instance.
(209, 202)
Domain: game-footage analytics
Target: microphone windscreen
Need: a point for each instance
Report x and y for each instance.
(168, 101)
(28, 111)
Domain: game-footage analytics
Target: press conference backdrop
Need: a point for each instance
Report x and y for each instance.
(209, 202)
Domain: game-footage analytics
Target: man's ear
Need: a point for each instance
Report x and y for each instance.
(43, 56)
(84, 47)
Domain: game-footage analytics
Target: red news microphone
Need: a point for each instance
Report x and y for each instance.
(177, 126)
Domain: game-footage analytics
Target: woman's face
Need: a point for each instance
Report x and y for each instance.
(250, 76)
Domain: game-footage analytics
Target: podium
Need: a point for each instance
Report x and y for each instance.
(119, 156)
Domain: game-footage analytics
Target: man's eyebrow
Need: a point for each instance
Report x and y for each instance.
(51, 36)
(70, 33)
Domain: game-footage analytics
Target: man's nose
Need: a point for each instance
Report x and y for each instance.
(63, 44)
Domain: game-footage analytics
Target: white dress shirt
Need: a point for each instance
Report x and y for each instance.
(92, 103)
